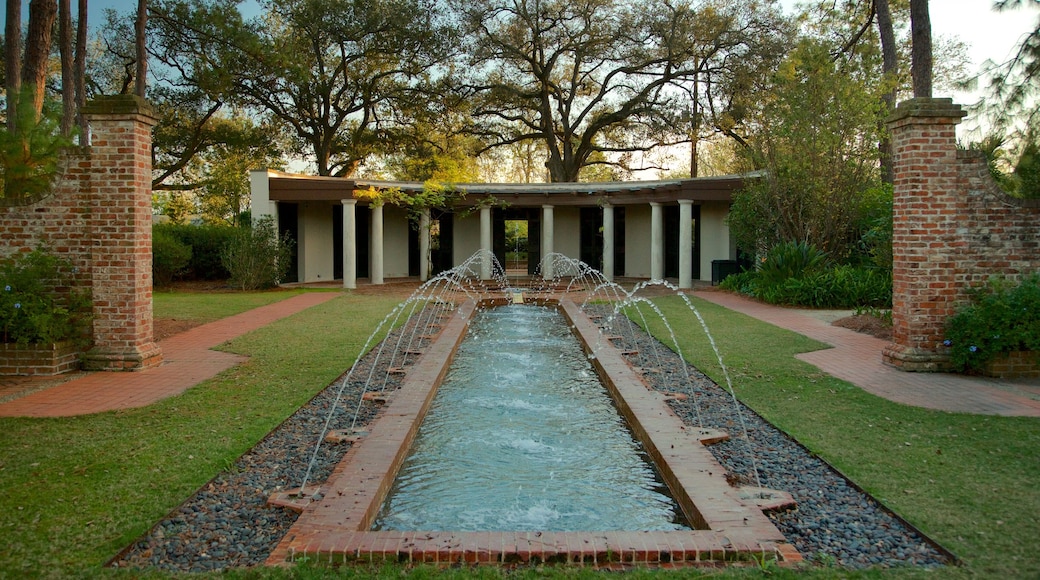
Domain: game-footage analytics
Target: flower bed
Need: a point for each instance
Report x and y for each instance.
(45, 360)
(1003, 318)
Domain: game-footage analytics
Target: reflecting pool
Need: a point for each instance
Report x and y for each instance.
(522, 436)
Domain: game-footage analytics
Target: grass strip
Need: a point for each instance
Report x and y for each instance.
(203, 307)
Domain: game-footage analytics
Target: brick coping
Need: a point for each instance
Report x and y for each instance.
(335, 525)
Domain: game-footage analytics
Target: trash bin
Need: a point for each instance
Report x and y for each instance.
(721, 269)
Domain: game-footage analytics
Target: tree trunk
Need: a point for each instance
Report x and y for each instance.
(13, 61)
(889, 68)
(81, 71)
(142, 58)
(921, 50)
(695, 128)
(42, 14)
(68, 96)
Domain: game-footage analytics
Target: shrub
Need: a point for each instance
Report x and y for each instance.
(206, 243)
(797, 274)
(839, 287)
(38, 302)
(745, 282)
(1003, 317)
(257, 257)
(170, 257)
(789, 260)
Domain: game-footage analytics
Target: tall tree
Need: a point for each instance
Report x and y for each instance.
(1016, 83)
(921, 48)
(817, 139)
(13, 60)
(80, 69)
(67, 55)
(193, 115)
(42, 14)
(589, 78)
(140, 31)
(331, 71)
(890, 69)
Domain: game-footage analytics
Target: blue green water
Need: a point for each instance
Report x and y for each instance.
(522, 436)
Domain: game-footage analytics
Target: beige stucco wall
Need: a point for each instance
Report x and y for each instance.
(395, 242)
(567, 233)
(260, 203)
(715, 239)
(466, 241)
(637, 241)
(315, 242)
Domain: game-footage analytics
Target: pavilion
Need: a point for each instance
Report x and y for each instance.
(641, 229)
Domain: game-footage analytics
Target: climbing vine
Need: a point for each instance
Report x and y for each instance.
(433, 196)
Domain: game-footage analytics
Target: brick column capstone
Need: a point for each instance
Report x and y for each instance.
(121, 230)
(927, 239)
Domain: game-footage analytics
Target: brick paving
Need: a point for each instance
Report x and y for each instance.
(188, 360)
(856, 358)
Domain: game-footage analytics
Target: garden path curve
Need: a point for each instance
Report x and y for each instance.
(856, 358)
(188, 359)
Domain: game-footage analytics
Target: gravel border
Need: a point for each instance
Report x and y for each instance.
(226, 523)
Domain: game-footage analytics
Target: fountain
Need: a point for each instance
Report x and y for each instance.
(339, 517)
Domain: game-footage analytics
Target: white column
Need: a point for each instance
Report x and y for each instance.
(608, 242)
(547, 242)
(656, 241)
(349, 243)
(375, 268)
(424, 245)
(685, 243)
(485, 243)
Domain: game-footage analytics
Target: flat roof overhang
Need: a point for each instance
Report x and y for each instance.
(299, 188)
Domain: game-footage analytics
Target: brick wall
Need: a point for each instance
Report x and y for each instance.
(60, 221)
(99, 218)
(953, 228)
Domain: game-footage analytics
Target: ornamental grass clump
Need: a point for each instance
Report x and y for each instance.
(797, 273)
(39, 303)
(1003, 317)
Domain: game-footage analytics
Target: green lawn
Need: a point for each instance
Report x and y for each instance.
(78, 490)
(205, 307)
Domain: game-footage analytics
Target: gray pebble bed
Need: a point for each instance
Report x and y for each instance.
(226, 523)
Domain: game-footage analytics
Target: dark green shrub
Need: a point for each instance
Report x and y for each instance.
(170, 257)
(257, 257)
(1003, 317)
(809, 283)
(744, 282)
(839, 287)
(206, 243)
(789, 260)
(38, 301)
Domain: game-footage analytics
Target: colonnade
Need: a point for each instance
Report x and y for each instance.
(657, 240)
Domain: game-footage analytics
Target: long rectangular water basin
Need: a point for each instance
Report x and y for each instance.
(337, 528)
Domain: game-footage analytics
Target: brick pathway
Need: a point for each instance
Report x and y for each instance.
(856, 358)
(188, 360)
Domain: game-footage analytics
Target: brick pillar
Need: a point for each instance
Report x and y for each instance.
(926, 243)
(121, 230)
